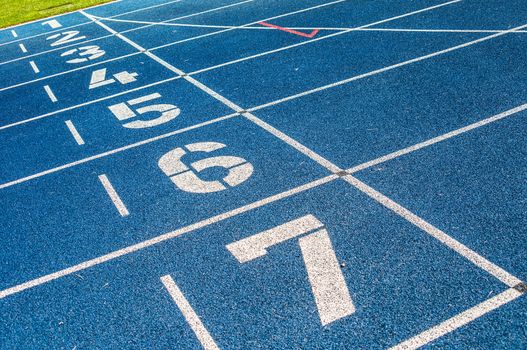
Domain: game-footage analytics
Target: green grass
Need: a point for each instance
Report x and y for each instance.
(20, 11)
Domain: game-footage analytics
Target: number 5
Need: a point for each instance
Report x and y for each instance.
(327, 282)
(123, 112)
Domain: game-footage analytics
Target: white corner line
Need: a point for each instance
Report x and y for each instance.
(74, 132)
(50, 93)
(204, 337)
(23, 48)
(458, 321)
(121, 208)
(34, 67)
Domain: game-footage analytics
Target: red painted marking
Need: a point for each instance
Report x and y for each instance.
(292, 31)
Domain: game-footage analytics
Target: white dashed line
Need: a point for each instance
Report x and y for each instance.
(23, 48)
(50, 93)
(113, 195)
(192, 318)
(74, 132)
(34, 66)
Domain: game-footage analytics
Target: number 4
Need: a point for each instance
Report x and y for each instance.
(98, 78)
(327, 282)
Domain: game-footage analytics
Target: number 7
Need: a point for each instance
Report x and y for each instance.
(327, 282)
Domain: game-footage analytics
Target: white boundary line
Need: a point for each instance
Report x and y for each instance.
(190, 315)
(459, 320)
(116, 200)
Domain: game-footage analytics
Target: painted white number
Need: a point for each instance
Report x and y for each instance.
(327, 282)
(187, 180)
(85, 53)
(123, 112)
(98, 78)
(65, 38)
(54, 24)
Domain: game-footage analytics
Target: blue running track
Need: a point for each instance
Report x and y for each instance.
(265, 174)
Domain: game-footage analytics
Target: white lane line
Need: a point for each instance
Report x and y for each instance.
(7, 126)
(15, 35)
(161, 238)
(248, 24)
(385, 69)
(23, 48)
(128, 30)
(371, 73)
(293, 143)
(459, 320)
(433, 30)
(121, 208)
(437, 139)
(50, 93)
(324, 37)
(115, 33)
(114, 151)
(68, 71)
(192, 318)
(74, 132)
(34, 67)
(158, 47)
(464, 251)
(433, 231)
